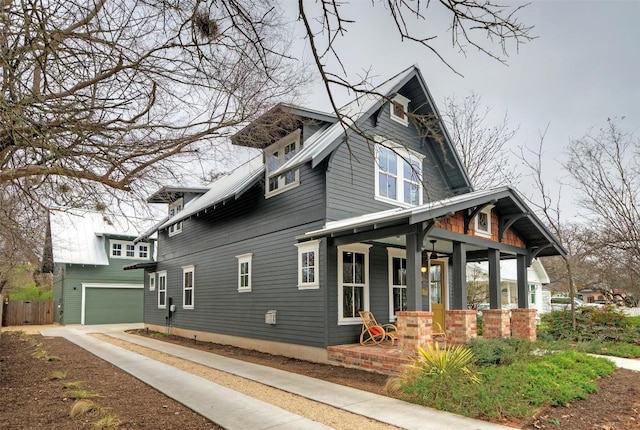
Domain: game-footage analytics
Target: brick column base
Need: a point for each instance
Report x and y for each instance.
(415, 329)
(460, 325)
(523, 324)
(496, 323)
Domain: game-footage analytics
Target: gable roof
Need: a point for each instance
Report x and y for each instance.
(505, 199)
(319, 146)
(78, 237)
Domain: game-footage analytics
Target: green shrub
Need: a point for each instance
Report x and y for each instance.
(31, 292)
(515, 391)
(591, 323)
(498, 351)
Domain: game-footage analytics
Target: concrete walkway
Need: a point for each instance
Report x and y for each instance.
(233, 410)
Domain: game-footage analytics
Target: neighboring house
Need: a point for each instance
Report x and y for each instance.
(478, 277)
(282, 253)
(89, 251)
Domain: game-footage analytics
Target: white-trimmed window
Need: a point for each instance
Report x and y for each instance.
(152, 281)
(244, 272)
(399, 108)
(398, 175)
(275, 156)
(174, 208)
(128, 249)
(308, 258)
(162, 289)
(353, 282)
(483, 222)
(187, 286)
(397, 281)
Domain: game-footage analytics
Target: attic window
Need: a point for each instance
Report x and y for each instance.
(399, 109)
(483, 222)
(276, 156)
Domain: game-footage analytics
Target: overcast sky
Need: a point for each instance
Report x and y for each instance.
(582, 69)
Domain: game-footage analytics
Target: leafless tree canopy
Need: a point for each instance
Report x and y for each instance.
(605, 165)
(95, 92)
(483, 148)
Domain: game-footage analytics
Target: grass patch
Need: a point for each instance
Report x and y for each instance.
(511, 391)
(604, 347)
(58, 375)
(82, 407)
(73, 385)
(108, 422)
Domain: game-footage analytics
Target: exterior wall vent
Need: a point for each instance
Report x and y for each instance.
(270, 317)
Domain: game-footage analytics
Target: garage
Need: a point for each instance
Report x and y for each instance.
(112, 303)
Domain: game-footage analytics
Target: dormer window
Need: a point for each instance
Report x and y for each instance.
(399, 109)
(174, 208)
(276, 156)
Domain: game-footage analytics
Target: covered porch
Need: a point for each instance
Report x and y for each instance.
(429, 247)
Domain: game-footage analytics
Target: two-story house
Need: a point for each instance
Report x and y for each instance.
(375, 212)
(89, 252)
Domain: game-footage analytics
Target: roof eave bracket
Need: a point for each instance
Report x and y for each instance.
(507, 222)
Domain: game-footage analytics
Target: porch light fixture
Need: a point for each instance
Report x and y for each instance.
(423, 269)
(434, 254)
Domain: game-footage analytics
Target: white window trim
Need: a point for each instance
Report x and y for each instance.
(401, 153)
(162, 275)
(189, 269)
(244, 258)
(152, 281)
(287, 140)
(487, 211)
(404, 102)
(394, 253)
(174, 208)
(124, 244)
(362, 249)
(306, 247)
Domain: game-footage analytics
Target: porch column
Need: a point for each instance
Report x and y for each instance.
(523, 299)
(459, 276)
(414, 276)
(495, 293)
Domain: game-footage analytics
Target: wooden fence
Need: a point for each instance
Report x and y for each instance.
(17, 312)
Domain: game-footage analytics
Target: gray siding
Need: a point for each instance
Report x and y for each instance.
(351, 173)
(267, 228)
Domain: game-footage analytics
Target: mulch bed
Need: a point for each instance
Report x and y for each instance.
(29, 399)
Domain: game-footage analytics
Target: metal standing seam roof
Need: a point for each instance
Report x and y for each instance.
(315, 149)
(230, 186)
(78, 237)
(505, 196)
(316, 145)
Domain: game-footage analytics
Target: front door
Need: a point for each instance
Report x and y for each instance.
(437, 290)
